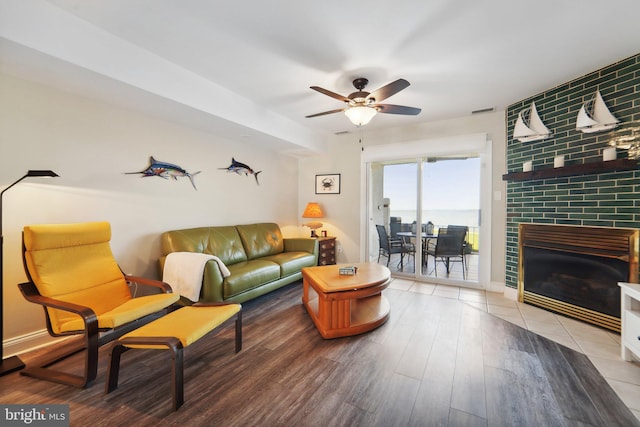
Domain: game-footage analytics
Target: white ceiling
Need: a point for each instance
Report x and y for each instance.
(247, 65)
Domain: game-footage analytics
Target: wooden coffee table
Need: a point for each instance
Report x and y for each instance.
(342, 306)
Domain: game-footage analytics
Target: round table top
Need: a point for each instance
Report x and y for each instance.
(328, 279)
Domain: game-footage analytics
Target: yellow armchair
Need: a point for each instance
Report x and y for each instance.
(74, 276)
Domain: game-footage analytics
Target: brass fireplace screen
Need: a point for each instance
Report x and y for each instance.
(575, 270)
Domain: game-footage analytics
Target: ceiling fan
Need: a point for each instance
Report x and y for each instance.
(362, 106)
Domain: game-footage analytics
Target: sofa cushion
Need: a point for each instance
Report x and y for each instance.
(223, 242)
(292, 262)
(247, 275)
(261, 240)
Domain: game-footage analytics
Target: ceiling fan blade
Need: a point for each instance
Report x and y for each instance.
(386, 91)
(331, 94)
(397, 109)
(325, 113)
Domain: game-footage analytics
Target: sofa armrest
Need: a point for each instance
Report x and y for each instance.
(212, 283)
(301, 244)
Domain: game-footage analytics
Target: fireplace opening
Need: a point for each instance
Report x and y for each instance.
(587, 281)
(575, 270)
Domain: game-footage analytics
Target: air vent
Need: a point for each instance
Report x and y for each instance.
(484, 110)
(342, 132)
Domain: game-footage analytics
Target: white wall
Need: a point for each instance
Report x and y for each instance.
(342, 211)
(344, 158)
(91, 145)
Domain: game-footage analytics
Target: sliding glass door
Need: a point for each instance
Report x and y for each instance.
(431, 207)
(400, 193)
(451, 199)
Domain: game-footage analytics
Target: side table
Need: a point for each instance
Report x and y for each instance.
(327, 250)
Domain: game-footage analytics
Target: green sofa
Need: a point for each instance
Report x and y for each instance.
(259, 259)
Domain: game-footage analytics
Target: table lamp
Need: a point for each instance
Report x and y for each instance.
(313, 210)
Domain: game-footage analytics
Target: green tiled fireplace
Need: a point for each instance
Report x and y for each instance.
(601, 199)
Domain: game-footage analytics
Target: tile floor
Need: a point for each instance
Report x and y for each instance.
(455, 271)
(600, 346)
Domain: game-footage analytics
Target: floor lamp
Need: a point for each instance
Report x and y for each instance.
(13, 363)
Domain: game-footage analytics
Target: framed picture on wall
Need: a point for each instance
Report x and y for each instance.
(328, 184)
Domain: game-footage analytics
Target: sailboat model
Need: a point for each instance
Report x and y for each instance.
(594, 116)
(529, 127)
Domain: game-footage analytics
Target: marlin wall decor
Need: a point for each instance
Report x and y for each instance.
(241, 168)
(165, 170)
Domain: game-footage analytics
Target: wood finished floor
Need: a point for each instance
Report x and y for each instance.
(436, 362)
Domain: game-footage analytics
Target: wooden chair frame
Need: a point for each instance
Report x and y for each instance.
(93, 336)
(177, 356)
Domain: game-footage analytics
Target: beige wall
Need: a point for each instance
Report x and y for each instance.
(91, 145)
(344, 210)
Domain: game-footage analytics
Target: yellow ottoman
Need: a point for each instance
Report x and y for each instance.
(175, 331)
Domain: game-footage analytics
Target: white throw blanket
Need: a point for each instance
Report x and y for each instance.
(184, 271)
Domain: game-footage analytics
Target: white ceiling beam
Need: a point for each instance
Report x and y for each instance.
(50, 30)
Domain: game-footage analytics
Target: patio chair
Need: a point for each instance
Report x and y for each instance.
(395, 223)
(449, 248)
(73, 275)
(392, 246)
(465, 244)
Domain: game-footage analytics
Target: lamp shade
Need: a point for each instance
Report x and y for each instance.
(42, 173)
(360, 116)
(313, 210)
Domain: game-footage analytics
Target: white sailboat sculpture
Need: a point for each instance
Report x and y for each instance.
(594, 116)
(529, 126)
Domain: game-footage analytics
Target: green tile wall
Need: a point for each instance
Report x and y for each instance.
(607, 199)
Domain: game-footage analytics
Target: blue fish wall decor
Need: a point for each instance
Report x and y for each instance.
(165, 170)
(241, 168)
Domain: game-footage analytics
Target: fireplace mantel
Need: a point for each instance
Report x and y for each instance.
(572, 170)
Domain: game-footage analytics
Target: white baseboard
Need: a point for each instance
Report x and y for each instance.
(506, 291)
(496, 287)
(28, 342)
(511, 293)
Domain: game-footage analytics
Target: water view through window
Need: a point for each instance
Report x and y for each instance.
(449, 189)
(449, 195)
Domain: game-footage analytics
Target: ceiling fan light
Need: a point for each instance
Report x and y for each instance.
(360, 115)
